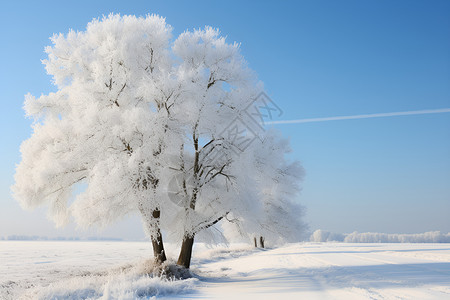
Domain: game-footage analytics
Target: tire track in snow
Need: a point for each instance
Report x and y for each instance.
(346, 293)
(361, 283)
(419, 266)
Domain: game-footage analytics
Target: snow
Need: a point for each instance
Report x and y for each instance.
(113, 270)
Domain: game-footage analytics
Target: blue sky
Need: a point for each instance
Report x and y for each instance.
(317, 59)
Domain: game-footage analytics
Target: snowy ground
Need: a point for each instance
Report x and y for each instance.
(112, 270)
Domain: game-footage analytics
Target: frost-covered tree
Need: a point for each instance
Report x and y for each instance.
(166, 129)
(217, 182)
(106, 126)
(217, 86)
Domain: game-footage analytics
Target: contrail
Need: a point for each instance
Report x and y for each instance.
(366, 116)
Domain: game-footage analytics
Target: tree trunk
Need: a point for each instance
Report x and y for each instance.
(158, 249)
(157, 242)
(261, 241)
(184, 259)
(256, 244)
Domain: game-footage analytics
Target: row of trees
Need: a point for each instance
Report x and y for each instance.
(159, 127)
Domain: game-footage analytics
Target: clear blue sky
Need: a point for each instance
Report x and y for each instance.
(317, 59)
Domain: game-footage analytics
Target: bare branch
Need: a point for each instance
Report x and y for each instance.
(208, 223)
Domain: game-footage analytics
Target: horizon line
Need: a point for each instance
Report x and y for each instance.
(363, 116)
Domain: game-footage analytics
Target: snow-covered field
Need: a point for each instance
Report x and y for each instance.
(113, 270)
